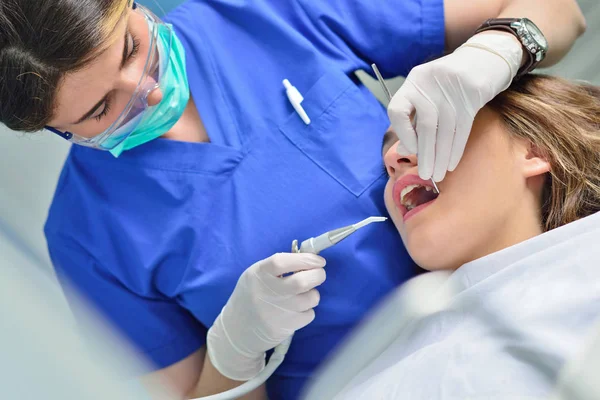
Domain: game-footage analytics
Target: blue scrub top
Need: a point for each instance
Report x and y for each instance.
(157, 238)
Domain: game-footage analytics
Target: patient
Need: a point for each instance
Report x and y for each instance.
(517, 224)
(532, 164)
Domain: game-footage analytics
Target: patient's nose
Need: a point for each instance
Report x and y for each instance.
(397, 164)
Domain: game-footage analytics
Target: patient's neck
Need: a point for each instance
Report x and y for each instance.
(523, 224)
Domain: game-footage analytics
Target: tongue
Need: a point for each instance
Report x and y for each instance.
(421, 195)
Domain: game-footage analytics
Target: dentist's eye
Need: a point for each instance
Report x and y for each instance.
(104, 112)
(135, 48)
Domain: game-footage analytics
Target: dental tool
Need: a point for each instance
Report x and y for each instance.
(389, 97)
(315, 245)
(382, 82)
(312, 245)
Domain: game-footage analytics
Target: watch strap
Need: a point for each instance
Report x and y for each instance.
(504, 24)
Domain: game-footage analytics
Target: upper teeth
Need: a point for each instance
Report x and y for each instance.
(408, 202)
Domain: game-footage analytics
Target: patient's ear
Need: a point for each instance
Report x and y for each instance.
(532, 161)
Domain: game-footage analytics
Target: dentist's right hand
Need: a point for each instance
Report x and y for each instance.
(264, 310)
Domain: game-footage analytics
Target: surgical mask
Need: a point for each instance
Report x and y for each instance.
(173, 83)
(139, 123)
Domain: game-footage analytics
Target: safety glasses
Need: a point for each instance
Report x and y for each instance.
(135, 110)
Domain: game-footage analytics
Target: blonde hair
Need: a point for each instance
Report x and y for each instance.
(108, 22)
(562, 120)
(113, 15)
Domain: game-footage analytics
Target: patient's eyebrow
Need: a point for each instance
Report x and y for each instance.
(389, 138)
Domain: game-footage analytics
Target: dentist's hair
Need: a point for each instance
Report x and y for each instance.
(562, 120)
(40, 42)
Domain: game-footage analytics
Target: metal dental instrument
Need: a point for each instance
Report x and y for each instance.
(382, 82)
(315, 245)
(389, 97)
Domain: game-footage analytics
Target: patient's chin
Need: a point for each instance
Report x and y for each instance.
(428, 254)
(433, 242)
(432, 262)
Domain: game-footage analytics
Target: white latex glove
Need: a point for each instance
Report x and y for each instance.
(264, 310)
(446, 94)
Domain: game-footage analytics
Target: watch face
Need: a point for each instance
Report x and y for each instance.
(536, 34)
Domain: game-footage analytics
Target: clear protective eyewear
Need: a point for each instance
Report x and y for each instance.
(150, 80)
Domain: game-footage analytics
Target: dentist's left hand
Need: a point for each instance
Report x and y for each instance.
(264, 310)
(444, 95)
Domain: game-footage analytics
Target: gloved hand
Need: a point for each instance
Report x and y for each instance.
(264, 310)
(446, 94)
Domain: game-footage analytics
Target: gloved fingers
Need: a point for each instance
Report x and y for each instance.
(427, 126)
(301, 282)
(285, 325)
(445, 133)
(302, 302)
(402, 151)
(400, 111)
(283, 263)
(305, 318)
(277, 330)
(463, 130)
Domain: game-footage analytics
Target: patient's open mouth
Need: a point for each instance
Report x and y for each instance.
(412, 194)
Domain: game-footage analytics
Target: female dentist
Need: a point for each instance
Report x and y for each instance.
(209, 168)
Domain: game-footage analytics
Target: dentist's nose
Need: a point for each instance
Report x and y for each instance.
(130, 82)
(397, 164)
(154, 97)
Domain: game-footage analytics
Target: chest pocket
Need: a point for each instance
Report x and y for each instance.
(345, 134)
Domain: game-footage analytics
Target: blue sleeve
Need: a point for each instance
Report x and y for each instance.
(395, 34)
(159, 328)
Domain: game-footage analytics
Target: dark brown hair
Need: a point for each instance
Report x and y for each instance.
(40, 42)
(562, 119)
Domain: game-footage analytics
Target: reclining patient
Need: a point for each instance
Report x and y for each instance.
(517, 224)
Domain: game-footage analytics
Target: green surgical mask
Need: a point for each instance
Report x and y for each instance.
(173, 83)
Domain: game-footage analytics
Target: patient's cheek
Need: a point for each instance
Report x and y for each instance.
(391, 207)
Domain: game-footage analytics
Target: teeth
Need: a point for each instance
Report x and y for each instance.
(407, 190)
(407, 202)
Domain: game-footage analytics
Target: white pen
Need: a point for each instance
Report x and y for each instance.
(296, 99)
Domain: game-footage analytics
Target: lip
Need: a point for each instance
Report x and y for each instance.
(400, 184)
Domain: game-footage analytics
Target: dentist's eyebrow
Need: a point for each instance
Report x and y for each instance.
(388, 139)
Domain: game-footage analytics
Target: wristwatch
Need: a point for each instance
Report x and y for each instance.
(532, 38)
